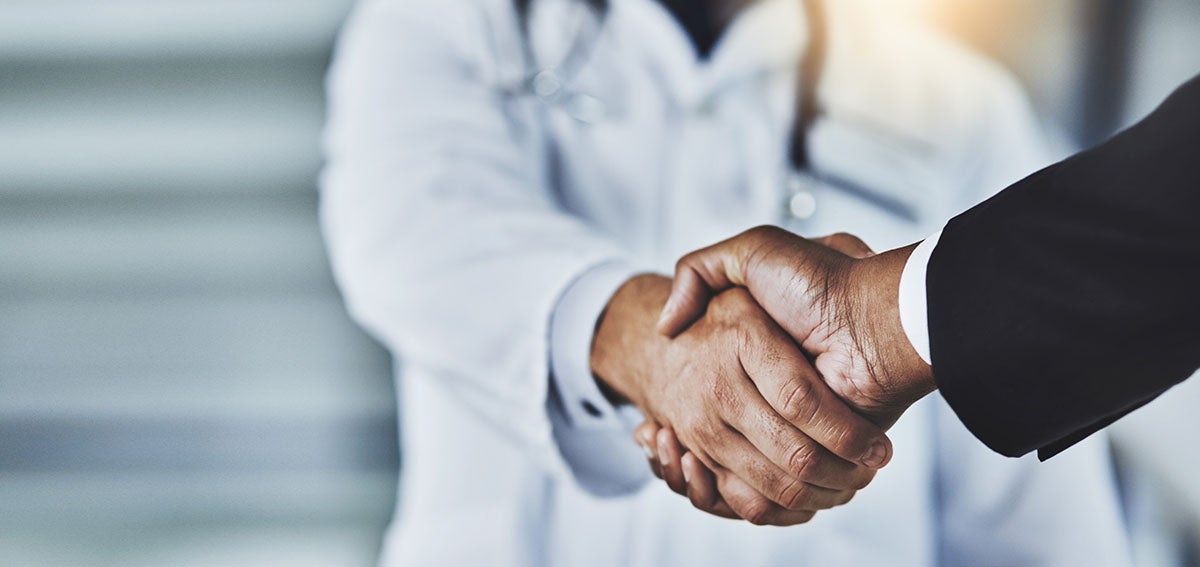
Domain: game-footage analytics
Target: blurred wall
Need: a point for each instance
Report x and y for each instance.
(1091, 66)
(179, 383)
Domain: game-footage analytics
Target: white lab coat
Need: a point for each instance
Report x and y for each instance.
(462, 209)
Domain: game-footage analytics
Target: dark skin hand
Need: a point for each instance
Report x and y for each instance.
(834, 296)
(738, 392)
(843, 311)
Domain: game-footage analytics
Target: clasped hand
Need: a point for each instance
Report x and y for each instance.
(766, 391)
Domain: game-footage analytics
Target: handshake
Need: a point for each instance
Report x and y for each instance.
(768, 371)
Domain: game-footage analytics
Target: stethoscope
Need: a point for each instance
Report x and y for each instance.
(552, 84)
(801, 180)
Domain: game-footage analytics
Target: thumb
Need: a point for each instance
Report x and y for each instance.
(708, 271)
(689, 298)
(698, 277)
(847, 244)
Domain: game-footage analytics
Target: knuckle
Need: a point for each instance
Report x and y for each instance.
(804, 460)
(796, 496)
(745, 338)
(723, 395)
(692, 428)
(703, 436)
(763, 232)
(805, 517)
(844, 439)
(686, 262)
(798, 401)
(863, 481)
(759, 512)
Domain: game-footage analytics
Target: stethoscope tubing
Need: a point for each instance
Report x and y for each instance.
(551, 84)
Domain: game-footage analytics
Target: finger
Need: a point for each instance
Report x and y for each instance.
(752, 506)
(702, 488)
(797, 455)
(690, 295)
(701, 274)
(701, 484)
(670, 455)
(774, 483)
(796, 392)
(847, 244)
(646, 437)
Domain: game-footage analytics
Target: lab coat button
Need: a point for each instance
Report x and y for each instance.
(587, 109)
(546, 84)
(803, 205)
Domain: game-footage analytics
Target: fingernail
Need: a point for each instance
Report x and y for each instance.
(646, 450)
(662, 454)
(687, 475)
(876, 456)
(662, 317)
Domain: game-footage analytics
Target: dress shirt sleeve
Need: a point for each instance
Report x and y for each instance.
(914, 317)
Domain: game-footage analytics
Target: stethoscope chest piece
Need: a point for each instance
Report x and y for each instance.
(548, 86)
(800, 195)
(587, 108)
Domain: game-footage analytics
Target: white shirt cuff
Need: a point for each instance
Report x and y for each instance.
(914, 314)
(572, 327)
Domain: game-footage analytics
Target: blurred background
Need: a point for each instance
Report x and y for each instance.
(179, 384)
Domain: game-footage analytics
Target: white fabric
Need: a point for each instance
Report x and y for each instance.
(914, 317)
(461, 210)
(571, 330)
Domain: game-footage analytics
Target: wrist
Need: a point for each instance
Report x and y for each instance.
(875, 283)
(625, 340)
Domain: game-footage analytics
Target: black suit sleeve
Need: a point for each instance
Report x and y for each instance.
(1073, 297)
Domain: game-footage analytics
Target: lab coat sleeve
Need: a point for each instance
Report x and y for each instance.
(572, 328)
(1001, 511)
(592, 434)
(447, 243)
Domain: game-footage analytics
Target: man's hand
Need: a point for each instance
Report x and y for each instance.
(739, 393)
(842, 311)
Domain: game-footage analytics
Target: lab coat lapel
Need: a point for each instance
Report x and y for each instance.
(553, 27)
(665, 45)
(768, 36)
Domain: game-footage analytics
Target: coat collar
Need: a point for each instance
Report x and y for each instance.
(876, 73)
(768, 35)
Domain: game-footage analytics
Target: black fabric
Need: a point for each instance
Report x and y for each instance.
(704, 20)
(522, 6)
(1073, 297)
